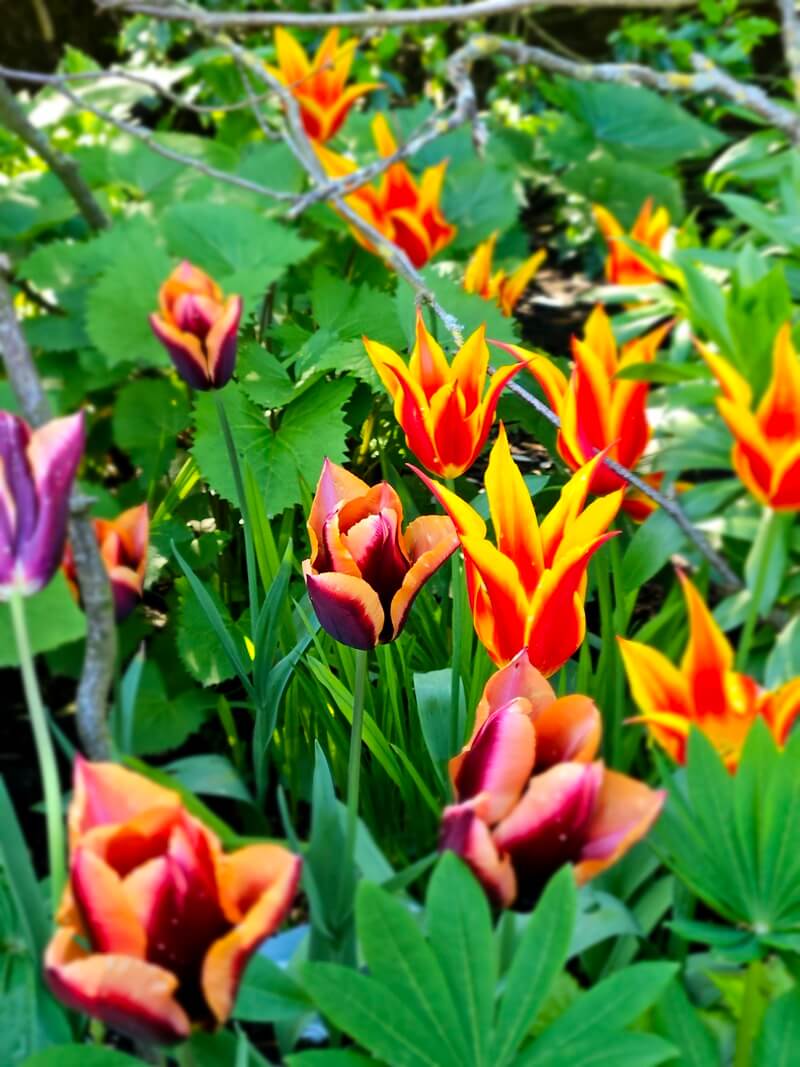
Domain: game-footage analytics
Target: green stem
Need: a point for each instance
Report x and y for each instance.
(354, 762)
(750, 1016)
(250, 558)
(45, 753)
(607, 666)
(770, 534)
(458, 633)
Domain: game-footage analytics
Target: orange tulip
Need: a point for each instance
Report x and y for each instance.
(623, 266)
(766, 455)
(706, 692)
(597, 410)
(404, 211)
(318, 85)
(530, 795)
(123, 547)
(505, 289)
(528, 590)
(442, 406)
(157, 923)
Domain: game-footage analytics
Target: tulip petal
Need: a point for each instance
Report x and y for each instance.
(469, 367)
(185, 351)
(466, 520)
(346, 607)
(785, 485)
(466, 834)
(500, 623)
(624, 813)
(708, 656)
(550, 377)
(429, 541)
(412, 412)
(107, 915)
(656, 685)
(292, 59)
(778, 413)
(479, 267)
(334, 486)
(568, 506)
(568, 730)
(456, 431)
(499, 760)
(128, 994)
(518, 281)
(781, 709)
(428, 364)
(221, 343)
(106, 793)
(514, 519)
(497, 383)
(734, 387)
(409, 233)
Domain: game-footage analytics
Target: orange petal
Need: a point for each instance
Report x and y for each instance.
(552, 380)
(334, 486)
(513, 515)
(778, 413)
(567, 507)
(105, 793)
(410, 234)
(624, 812)
(106, 913)
(499, 761)
(785, 488)
(456, 432)
(781, 709)
(569, 730)
(500, 619)
(429, 541)
(708, 656)
(734, 386)
(479, 267)
(428, 364)
(656, 685)
(383, 136)
(518, 679)
(512, 288)
(466, 520)
(292, 58)
(413, 414)
(469, 367)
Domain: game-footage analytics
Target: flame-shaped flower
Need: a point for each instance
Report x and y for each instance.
(530, 795)
(598, 410)
(37, 469)
(505, 289)
(198, 327)
(440, 406)
(404, 211)
(527, 591)
(157, 922)
(766, 455)
(623, 266)
(364, 570)
(319, 85)
(705, 692)
(123, 548)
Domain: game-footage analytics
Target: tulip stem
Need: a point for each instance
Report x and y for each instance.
(750, 1014)
(236, 470)
(458, 632)
(354, 762)
(770, 534)
(48, 768)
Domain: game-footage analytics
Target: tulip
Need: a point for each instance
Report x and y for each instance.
(318, 85)
(364, 571)
(37, 469)
(623, 266)
(157, 923)
(198, 327)
(528, 590)
(505, 289)
(442, 406)
(123, 548)
(405, 212)
(705, 692)
(766, 455)
(598, 410)
(530, 795)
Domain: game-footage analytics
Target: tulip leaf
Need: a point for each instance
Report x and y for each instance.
(778, 1044)
(601, 1048)
(783, 662)
(330, 1057)
(53, 619)
(680, 1023)
(200, 646)
(82, 1055)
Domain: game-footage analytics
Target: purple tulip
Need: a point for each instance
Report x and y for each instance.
(37, 469)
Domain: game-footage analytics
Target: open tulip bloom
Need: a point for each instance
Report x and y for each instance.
(505, 289)
(440, 406)
(157, 922)
(766, 453)
(623, 266)
(198, 327)
(319, 85)
(527, 590)
(402, 210)
(530, 795)
(598, 410)
(37, 470)
(364, 570)
(123, 545)
(705, 692)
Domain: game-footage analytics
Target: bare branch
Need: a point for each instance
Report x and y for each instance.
(790, 32)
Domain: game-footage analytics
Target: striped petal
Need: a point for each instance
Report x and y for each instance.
(656, 685)
(221, 343)
(499, 760)
(466, 834)
(104, 794)
(430, 540)
(335, 485)
(512, 287)
(708, 656)
(624, 812)
(514, 519)
(346, 607)
(185, 351)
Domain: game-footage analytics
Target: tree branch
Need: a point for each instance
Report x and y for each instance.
(790, 33)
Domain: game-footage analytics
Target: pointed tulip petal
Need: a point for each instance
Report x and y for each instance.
(708, 656)
(569, 730)
(110, 921)
(499, 761)
(514, 519)
(221, 343)
(624, 813)
(656, 685)
(464, 833)
(430, 541)
(106, 793)
(185, 352)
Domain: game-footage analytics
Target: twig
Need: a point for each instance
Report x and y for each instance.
(101, 637)
(790, 33)
(64, 167)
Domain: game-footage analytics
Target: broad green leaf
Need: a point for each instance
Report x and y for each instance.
(680, 1023)
(602, 1048)
(149, 413)
(53, 619)
(210, 775)
(269, 994)
(332, 1057)
(202, 652)
(433, 695)
(623, 186)
(778, 1044)
(81, 1056)
(479, 199)
(163, 721)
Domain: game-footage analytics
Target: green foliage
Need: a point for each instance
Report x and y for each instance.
(53, 617)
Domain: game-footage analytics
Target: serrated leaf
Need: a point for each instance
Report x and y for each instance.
(162, 722)
(148, 415)
(199, 647)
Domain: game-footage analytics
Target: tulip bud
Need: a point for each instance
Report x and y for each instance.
(123, 548)
(198, 327)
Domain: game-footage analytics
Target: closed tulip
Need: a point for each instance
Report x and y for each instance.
(198, 327)
(157, 923)
(319, 85)
(597, 409)
(766, 452)
(37, 470)
(123, 545)
(623, 266)
(705, 692)
(442, 407)
(530, 794)
(527, 590)
(403, 210)
(505, 289)
(365, 570)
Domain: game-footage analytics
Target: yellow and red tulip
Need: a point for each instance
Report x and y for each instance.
(157, 922)
(530, 795)
(364, 570)
(123, 545)
(598, 410)
(705, 692)
(505, 289)
(319, 85)
(440, 406)
(198, 327)
(527, 591)
(623, 266)
(37, 469)
(402, 210)
(766, 453)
